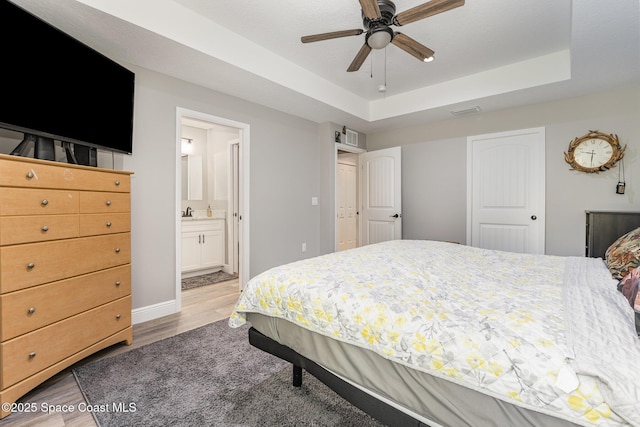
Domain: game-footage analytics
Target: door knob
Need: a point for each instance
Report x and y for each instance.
(533, 217)
(394, 216)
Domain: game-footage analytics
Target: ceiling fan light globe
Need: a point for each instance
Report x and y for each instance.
(429, 59)
(379, 39)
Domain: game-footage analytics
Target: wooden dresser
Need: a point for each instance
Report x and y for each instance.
(65, 268)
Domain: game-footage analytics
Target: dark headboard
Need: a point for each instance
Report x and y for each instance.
(604, 228)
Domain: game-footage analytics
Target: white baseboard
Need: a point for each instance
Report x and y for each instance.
(155, 311)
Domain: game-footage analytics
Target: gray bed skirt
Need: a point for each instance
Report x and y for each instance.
(424, 398)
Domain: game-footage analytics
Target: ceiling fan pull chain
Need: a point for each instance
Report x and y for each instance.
(385, 68)
(371, 66)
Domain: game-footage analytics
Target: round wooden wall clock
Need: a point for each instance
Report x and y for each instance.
(594, 152)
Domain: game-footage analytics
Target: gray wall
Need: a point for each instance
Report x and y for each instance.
(434, 166)
(327, 201)
(293, 159)
(284, 176)
(434, 190)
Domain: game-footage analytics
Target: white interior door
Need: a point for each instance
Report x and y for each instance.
(347, 206)
(381, 195)
(506, 186)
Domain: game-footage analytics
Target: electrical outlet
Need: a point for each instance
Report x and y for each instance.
(304, 247)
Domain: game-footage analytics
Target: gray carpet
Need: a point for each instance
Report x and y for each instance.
(206, 279)
(210, 376)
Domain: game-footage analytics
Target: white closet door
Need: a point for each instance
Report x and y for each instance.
(507, 190)
(347, 209)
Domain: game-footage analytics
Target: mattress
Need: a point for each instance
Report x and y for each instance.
(426, 398)
(547, 334)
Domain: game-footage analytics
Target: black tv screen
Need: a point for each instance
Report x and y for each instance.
(54, 86)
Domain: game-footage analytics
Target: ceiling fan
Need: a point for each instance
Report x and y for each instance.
(378, 16)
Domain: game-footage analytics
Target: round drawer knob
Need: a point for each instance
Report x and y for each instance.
(118, 283)
(32, 355)
(108, 202)
(117, 250)
(30, 265)
(31, 310)
(117, 317)
(109, 224)
(30, 175)
(45, 202)
(45, 228)
(117, 183)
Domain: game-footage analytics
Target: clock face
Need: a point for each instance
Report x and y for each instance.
(593, 153)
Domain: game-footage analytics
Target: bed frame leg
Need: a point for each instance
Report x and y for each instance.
(297, 376)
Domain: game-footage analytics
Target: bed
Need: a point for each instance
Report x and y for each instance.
(441, 334)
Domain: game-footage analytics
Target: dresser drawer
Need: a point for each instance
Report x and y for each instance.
(98, 202)
(36, 263)
(17, 172)
(23, 201)
(95, 224)
(29, 309)
(37, 228)
(27, 354)
(106, 181)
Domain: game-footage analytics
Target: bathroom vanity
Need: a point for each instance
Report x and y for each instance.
(203, 245)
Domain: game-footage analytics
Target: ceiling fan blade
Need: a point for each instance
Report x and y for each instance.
(332, 35)
(411, 46)
(425, 10)
(360, 58)
(371, 9)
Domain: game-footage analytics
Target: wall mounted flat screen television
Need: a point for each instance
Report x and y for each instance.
(53, 87)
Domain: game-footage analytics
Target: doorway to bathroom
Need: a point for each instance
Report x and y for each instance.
(212, 158)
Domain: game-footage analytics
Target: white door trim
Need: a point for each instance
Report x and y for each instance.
(244, 129)
(233, 238)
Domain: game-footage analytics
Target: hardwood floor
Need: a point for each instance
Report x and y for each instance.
(200, 306)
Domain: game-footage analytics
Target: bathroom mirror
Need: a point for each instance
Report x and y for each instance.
(191, 177)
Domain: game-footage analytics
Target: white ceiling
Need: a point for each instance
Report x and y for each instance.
(491, 53)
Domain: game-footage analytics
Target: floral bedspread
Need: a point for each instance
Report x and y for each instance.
(489, 320)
